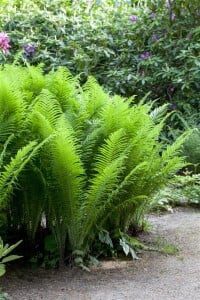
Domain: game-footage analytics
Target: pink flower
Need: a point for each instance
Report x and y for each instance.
(133, 18)
(145, 55)
(155, 37)
(4, 42)
(173, 16)
(153, 15)
(165, 32)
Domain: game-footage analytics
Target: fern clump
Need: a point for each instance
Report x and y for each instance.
(91, 162)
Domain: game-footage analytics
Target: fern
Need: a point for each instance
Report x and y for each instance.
(97, 158)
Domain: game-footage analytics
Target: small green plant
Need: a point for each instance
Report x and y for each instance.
(185, 190)
(130, 245)
(4, 257)
(3, 296)
(162, 246)
(51, 253)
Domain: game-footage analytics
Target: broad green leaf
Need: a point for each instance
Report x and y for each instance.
(11, 248)
(2, 269)
(10, 258)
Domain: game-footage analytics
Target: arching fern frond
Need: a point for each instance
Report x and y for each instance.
(9, 176)
(3, 152)
(174, 149)
(13, 109)
(48, 106)
(64, 87)
(11, 171)
(94, 97)
(108, 167)
(159, 113)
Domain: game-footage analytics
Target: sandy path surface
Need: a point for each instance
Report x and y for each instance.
(155, 276)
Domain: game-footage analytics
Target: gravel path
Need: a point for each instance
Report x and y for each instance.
(155, 276)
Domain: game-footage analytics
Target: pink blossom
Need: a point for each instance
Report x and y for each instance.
(173, 16)
(133, 18)
(145, 55)
(4, 42)
(153, 15)
(155, 37)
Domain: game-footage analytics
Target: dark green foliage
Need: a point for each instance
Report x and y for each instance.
(77, 158)
(191, 150)
(51, 255)
(99, 38)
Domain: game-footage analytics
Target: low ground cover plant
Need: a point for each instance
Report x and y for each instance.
(76, 162)
(184, 191)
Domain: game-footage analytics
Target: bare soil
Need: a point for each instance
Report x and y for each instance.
(155, 276)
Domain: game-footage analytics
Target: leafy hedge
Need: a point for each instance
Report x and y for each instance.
(151, 46)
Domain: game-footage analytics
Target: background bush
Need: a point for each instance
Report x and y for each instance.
(191, 151)
(130, 47)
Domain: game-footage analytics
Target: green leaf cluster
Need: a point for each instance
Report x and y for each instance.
(4, 257)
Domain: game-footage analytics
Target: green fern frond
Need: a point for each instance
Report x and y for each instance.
(159, 113)
(67, 182)
(7, 128)
(109, 166)
(175, 148)
(35, 81)
(9, 176)
(64, 87)
(128, 205)
(41, 126)
(30, 200)
(94, 97)
(48, 106)
(174, 164)
(118, 195)
(114, 146)
(90, 144)
(3, 152)
(13, 109)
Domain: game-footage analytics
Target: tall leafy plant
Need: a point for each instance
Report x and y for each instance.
(98, 159)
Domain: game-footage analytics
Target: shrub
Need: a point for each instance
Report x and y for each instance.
(151, 46)
(91, 161)
(191, 150)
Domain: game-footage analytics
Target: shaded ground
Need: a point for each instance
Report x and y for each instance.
(155, 276)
